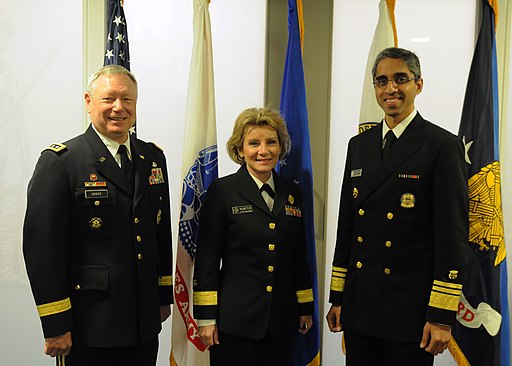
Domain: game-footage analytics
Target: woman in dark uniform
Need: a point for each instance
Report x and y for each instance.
(252, 287)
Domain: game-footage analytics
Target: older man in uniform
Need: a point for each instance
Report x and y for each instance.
(403, 226)
(97, 235)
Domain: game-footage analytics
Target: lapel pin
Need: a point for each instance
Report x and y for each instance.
(355, 192)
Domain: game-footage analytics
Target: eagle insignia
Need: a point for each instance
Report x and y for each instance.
(485, 212)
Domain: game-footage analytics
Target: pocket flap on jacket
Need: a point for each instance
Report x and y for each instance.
(92, 277)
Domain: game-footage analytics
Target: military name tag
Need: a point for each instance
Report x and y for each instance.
(96, 193)
(292, 211)
(356, 173)
(239, 210)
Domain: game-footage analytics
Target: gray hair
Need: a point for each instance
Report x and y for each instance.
(109, 70)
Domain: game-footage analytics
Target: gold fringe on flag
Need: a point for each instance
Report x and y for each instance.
(494, 6)
(457, 354)
(300, 17)
(316, 361)
(391, 10)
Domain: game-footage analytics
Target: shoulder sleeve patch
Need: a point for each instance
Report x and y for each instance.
(156, 145)
(58, 148)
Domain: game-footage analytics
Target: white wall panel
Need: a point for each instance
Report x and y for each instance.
(40, 103)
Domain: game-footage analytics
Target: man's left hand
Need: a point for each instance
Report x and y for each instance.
(165, 312)
(305, 323)
(435, 337)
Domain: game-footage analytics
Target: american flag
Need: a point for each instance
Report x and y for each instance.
(117, 52)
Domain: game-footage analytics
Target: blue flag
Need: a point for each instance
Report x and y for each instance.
(297, 167)
(482, 332)
(116, 52)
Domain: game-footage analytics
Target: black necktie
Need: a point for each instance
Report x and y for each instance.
(126, 164)
(265, 187)
(389, 140)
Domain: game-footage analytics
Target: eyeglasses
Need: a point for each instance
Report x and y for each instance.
(399, 80)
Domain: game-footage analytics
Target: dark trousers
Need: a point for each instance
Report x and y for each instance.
(235, 351)
(369, 351)
(141, 355)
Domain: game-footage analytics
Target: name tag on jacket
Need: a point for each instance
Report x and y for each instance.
(356, 173)
(240, 210)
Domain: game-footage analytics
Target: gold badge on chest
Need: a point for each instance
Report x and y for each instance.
(95, 223)
(291, 199)
(407, 200)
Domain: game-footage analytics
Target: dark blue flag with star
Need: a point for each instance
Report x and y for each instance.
(481, 335)
(116, 52)
(297, 166)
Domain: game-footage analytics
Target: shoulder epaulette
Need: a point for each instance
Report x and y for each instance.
(58, 148)
(363, 127)
(156, 145)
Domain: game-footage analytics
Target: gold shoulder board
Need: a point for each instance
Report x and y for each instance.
(57, 148)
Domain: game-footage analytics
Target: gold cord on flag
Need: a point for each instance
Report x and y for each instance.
(494, 6)
(300, 17)
(391, 9)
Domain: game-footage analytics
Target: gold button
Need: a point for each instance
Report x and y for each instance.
(271, 247)
(389, 215)
(359, 239)
(388, 244)
(77, 287)
(136, 220)
(97, 203)
(139, 238)
(359, 265)
(270, 268)
(361, 212)
(272, 226)
(139, 256)
(269, 288)
(387, 271)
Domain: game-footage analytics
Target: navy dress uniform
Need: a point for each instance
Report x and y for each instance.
(251, 271)
(98, 247)
(402, 233)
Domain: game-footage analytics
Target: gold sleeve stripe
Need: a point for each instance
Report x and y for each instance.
(448, 284)
(339, 269)
(205, 298)
(53, 308)
(165, 281)
(337, 284)
(304, 296)
(446, 290)
(444, 301)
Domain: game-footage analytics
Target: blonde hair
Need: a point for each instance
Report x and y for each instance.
(257, 117)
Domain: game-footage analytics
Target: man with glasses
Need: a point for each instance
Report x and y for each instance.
(399, 259)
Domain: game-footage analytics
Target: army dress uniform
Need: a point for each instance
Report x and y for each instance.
(402, 233)
(98, 249)
(251, 272)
